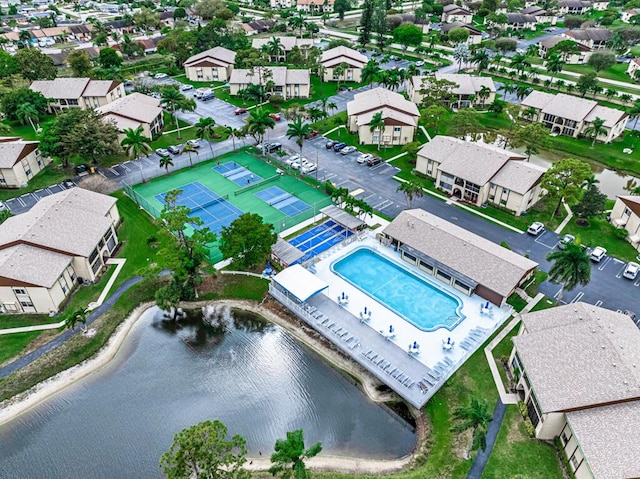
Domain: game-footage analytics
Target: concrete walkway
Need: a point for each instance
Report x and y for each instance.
(480, 462)
(565, 221)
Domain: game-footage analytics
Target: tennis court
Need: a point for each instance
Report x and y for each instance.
(320, 238)
(237, 173)
(283, 201)
(214, 210)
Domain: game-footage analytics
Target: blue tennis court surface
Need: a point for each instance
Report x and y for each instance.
(237, 173)
(283, 201)
(320, 238)
(214, 210)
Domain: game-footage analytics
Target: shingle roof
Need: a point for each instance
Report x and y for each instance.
(572, 107)
(99, 87)
(632, 202)
(520, 19)
(472, 30)
(13, 150)
(287, 42)
(518, 176)
(220, 54)
(378, 98)
(609, 437)
(595, 34)
(580, 355)
(467, 84)
(455, 9)
(280, 76)
(72, 221)
(534, 10)
(611, 116)
(61, 88)
(337, 55)
(136, 106)
(32, 265)
(491, 265)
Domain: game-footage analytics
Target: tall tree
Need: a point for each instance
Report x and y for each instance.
(461, 54)
(432, 116)
(601, 60)
(595, 129)
(205, 130)
(165, 162)
(481, 59)
(78, 315)
(408, 35)
(519, 62)
(476, 417)
(204, 451)
(340, 7)
(27, 113)
(35, 65)
(289, 456)
(13, 100)
(175, 101)
(188, 148)
(366, 24)
(564, 181)
(554, 64)
(465, 123)
(634, 112)
(592, 203)
(533, 136)
(571, 267)
(377, 123)
(411, 190)
(109, 58)
(247, 240)
(299, 130)
(134, 143)
(258, 123)
(587, 82)
(80, 63)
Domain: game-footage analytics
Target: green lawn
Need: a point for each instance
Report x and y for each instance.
(11, 345)
(600, 233)
(615, 72)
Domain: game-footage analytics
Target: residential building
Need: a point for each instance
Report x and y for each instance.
(571, 116)
(475, 35)
(352, 60)
(258, 26)
(579, 57)
(400, 117)
(277, 80)
(594, 38)
(315, 6)
(469, 90)
(634, 66)
(573, 7)
(518, 21)
(454, 13)
(78, 92)
(456, 256)
(626, 214)
(576, 368)
(214, 64)
(286, 45)
(135, 110)
(481, 174)
(541, 15)
(64, 240)
(626, 15)
(19, 161)
(279, 4)
(600, 5)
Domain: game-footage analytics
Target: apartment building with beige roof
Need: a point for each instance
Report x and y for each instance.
(277, 80)
(351, 60)
(65, 239)
(286, 43)
(577, 371)
(215, 64)
(78, 92)
(626, 214)
(467, 91)
(400, 117)
(481, 174)
(571, 116)
(454, 13)
(20, 161)
(135, 110)
(315, 6)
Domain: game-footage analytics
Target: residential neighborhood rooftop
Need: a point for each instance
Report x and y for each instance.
(219, 55)
(135, 107)
(279, 76)
(377, 98)
(337, 55)
(13, 149)
(572, 107)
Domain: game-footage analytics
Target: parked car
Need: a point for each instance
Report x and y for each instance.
(240, 111)
(207, 96)
(632, 270)
(80, 169)
(159, 76)
(348, 149)
(376, 160)
(566, 240)
(312, 134)
(364, 158)
(173, 149)
(535, 229)
(395, 58)
(309, 168)
(296, 165)
(186, 87)
(271, 147)
(195, 143)
(162, 152)
(275, 116)
(291, 160)
(339, 147)
(330, 144)
(420, 63)
(597, 254)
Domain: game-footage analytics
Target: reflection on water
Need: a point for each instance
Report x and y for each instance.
(244, 371)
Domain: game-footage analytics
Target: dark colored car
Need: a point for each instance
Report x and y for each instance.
(175, 150)
(376, 160)
(330, 144)
(339, 147)
(81, 169)
(240, 111)
(271, 147)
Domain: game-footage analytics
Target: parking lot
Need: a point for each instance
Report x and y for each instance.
(25, 202)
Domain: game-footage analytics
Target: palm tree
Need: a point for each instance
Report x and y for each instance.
(298, 129)
(175, 101)
(274, 48)
(297, 22)
(519, 62)
(205, 129)
(232, 132)
(290, 454)
(554, 65)
(135, 143)
(258, 122)
(476, 416)
(370, 72)
(522, 91)
(484, 93)
(77, 316)
(634, 112)
(481, 59)
(26, 113)
(595, 130)
(166, 162)
(508, 88)
(377, 123)
(411, 189)
(530, 113)
(25, 38)
(189, 148)
(332, 106)
(571, 267)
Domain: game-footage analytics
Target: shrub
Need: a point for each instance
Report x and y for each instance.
(523, 409)
(620, 233)
(529, 427)
(276, 100)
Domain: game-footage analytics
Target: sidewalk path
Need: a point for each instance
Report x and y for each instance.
(57, 341)
(480, 462)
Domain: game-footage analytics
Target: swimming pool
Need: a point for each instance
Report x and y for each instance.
(425, 305)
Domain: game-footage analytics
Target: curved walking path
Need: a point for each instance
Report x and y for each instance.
(480, 462)
(59, 340)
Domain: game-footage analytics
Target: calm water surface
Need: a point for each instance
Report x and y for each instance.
(251, 375)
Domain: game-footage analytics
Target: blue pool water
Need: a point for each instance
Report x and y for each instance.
(424, 305)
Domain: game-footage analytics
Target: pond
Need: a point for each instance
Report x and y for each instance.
(250, 374)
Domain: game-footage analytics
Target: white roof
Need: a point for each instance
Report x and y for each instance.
(31, 265)
(378, 98)
(219, 55)
(572, 107)
(136, 106)
(287, 42)
(280, 76)
(299, 282)
(13, 150)
(337, 55)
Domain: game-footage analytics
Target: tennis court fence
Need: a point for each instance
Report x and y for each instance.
(257, 184)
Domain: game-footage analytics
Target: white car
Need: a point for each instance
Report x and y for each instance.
(597, 254)
(420, 63)
(186, 87)
(364, 158)
(348, 149)
(536, 228)
(632, 270)
(299, 163)
(309, 168)
(292, 160)
(160, 76)
(195, 143)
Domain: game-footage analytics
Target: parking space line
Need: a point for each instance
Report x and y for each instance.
(356, 192)
(114, 172)
(35, 196)
(382, 205)
(598, 303)
(619, 275)
(604, 264)
(21, 201)
(102, 174)
(538, 238)
(342, 183)
(126, 168)
(577, 298)
(637, 283)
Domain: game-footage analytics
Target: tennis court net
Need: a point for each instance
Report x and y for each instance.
(214, 201)
(257, 184)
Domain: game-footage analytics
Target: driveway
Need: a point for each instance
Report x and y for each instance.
(23, 203)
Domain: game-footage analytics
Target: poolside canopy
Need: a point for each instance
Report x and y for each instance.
(296, 281)
(342, 217)
(285, 253)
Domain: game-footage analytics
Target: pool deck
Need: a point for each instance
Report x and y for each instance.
(367, 342)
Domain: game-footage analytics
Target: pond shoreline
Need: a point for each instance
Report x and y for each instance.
(273, 312)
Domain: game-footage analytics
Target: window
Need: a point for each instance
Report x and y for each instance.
(26, 304)
(444, 275)
(626, 212)
(19, 291)
(396, 129)
(533, 414)
(409, 257)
